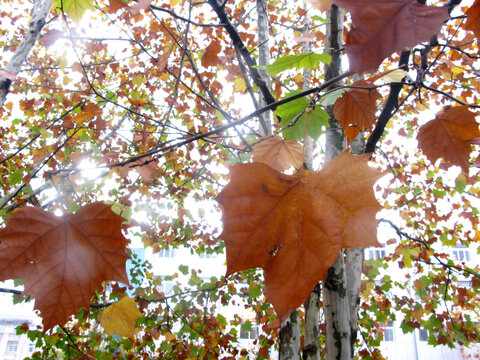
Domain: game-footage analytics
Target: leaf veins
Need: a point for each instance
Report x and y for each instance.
(63, 260)
(293, 226)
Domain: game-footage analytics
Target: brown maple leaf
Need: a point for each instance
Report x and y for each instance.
(136, 8)
(278, 153)
(356, 109)
(473, 19)
(50, 37)
(210, 58)
(147, 168)
(115, 5)
(293, 226)
(448, 136)
(63, 260)
(382, 27)
(322, 5)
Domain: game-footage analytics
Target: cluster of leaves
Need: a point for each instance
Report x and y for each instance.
(145, 120)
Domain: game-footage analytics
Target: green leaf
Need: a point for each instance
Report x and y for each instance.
(308, 60)
(406, 328)
(183, 269)
(254, 290)
(319, 18)
(459, 337)
(73, 8)
(15, 177)
(246, 326)
(460, 186)
(28, 189)
(330, 98)
(439, 193)
(317, 119)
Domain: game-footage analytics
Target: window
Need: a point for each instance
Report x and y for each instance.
(166, 287)
(12, 347)
(387, 330)
(375, 254)
(467, 284)
(167, 253)
(208, 256)
(461, 252)
(423, 334)
(31, 347)
(251, 334)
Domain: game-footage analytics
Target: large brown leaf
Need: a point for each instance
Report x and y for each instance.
(448, 135)
(382, 27)
(293, 226)
(63, 260)
(355, 109)
(473, 19)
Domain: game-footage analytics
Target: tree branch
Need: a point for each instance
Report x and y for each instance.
(390, 108)
(238, 43)
(39, 14)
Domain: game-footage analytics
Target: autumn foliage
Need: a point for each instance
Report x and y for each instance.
(131, 128)
(63, 260)
(293, 226)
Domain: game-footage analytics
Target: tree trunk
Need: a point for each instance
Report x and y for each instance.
(311, 345)
(263, 59)
(290, 338)
(336, 305)
(289, 333)
(40, 11)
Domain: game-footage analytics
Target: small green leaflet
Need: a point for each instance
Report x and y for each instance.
(330, 98)
(15, 177)
(308, 60)
(460, 186)
(317, 119)
(319, 18)
(73, 8)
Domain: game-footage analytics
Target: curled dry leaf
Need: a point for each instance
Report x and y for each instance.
(382, 27)
(278, 153)
(305, 37)
(449, 136)
(63, 260)
(119, 318)
(115, 5)
(293, 226)
(322, 5)
(50, 37)
(355, 110)
(392, 75)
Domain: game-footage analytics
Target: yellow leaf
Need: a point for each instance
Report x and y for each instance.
(73, 8)
(240, 85)
(169, 336)
(458, 70)
(175, 2)
(119, 319)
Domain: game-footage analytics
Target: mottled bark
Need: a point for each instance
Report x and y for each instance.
(336, 306)
(311, 345)
(39, 14)
(263, 59)
(289, 348)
